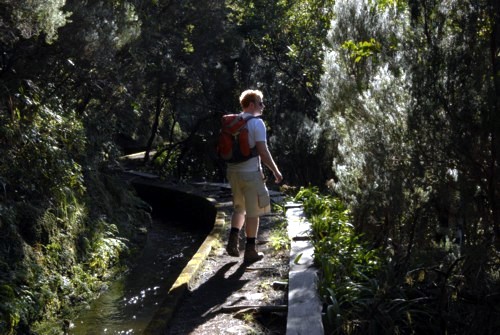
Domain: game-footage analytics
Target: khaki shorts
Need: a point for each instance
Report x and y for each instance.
(250, 194)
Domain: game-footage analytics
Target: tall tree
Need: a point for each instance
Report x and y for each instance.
(410, 91)
(365, 106)
(454, 114)
(494, 13)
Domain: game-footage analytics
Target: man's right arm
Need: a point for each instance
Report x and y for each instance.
(268, 160)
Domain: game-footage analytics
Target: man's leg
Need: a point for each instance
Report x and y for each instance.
(251, 230)
(237, 221)
(252, 227)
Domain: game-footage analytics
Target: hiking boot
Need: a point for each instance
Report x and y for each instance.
(232, 244)
(251, 254)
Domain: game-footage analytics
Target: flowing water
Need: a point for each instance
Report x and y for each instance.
(130, 302)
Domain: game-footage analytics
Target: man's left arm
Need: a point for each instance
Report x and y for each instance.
(267, 159)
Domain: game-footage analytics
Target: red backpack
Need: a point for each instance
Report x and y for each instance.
(233, 146)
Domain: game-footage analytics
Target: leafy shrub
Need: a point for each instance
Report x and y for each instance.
(357, 297)
(278, 237)
(372, 291)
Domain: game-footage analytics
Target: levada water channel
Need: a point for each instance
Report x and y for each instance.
(181, 222)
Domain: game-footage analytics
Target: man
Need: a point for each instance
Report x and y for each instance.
(250, 194)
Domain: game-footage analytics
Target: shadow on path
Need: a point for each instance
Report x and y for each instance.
(206, 299)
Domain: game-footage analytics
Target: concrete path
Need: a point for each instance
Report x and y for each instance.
(304, 305)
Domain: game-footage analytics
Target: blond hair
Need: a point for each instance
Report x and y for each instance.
(249, 96)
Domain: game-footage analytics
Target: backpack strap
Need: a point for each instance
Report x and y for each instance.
(253, 151)
(248, 118)
(238, 119)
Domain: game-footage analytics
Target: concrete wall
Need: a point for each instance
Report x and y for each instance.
(177, 204)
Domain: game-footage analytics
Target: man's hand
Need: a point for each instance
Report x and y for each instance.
(277, 177)
(267, 159)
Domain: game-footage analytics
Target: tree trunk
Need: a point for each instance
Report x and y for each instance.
(156, 122)
(494, 193)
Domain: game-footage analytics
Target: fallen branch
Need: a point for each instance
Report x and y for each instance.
(258, 268)
(254, 308)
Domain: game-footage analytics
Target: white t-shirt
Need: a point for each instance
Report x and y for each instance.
(256, 133)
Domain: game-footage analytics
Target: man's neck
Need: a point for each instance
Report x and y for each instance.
(252, 112)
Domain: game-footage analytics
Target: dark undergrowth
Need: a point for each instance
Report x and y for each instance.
(438, 289)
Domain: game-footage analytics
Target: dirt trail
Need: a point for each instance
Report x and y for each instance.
(215, 304)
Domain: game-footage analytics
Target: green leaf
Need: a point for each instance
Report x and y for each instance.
(297, 258)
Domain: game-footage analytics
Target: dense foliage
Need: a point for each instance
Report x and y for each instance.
(372, 290)
(411, 92)
(398, 108)
(84, 82)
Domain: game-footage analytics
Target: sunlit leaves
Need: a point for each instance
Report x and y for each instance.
(34, 17)
(49, 142)
(383, 4)
(407, 116)
(361, 49)
(365, 102)
(131, 25)
(106, 250)
(188, 46)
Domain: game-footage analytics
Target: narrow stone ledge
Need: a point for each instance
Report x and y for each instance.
(304, 305)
